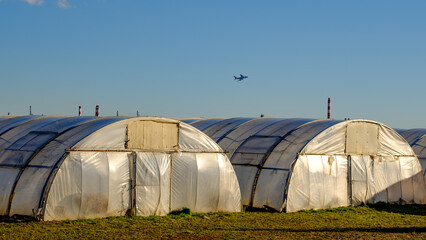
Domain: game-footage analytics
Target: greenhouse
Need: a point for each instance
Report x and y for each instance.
(417, 139)
(295, 164)
(57, 167)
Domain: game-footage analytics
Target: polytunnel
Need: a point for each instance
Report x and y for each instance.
(295, 164)
(58, 167)
(417, 139)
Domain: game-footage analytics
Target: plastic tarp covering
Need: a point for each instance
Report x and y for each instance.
(8, 124)
(254, 150)
(55, 149)
(330, 141)
(279, 161)
(316, 152)
(41, 166)
(2, 118)
(392, 143)
(270, 188)
(28, 191)
(229, 190)
(9, 137)
(317, 182)
(264, 191)
(283, 127)
(20, 152)
(111, 136)
(204, 123)
(236, 137)
(190, 120)
(286, 151)
(389, 181)
(412, 135)
(246, 176)
(220, 129)
(7, 179)
(94, 178)
(254, 142)
(90, 185)
(247, 161)
(187, 134)
(417, 139)
(420, 149)
(192, 172)
(382, 168)
(152, 184)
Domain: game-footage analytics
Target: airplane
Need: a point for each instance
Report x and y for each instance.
(240, 78)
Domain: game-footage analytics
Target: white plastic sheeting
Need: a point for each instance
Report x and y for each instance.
(378, 165)
(204, 182)
(417, 140)
(41, 167)
(16, 157)
(295, 164)
(99, 177)
(321, 183)
(90, 185)
(153, 172)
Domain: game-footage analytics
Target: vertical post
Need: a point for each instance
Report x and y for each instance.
(79, 110)
(97, 111)
(31, 112)
(134, 210)
(328, 109)
(137, 113)
(350, 180)
(117, 113)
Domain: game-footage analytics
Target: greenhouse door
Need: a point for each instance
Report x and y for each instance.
(152, 190)
(358, 179)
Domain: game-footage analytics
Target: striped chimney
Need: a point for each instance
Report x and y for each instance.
(328, 109)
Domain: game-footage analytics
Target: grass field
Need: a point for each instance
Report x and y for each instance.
(366, 222)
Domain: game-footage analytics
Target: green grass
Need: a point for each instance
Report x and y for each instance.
(366, 222)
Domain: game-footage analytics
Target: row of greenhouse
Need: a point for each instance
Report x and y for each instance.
(61, 167)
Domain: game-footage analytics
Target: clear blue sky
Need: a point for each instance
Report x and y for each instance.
(177, 58)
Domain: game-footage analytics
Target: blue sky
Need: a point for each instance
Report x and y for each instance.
(177, 58)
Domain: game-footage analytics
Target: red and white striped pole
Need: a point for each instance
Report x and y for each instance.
(79, 110)
(328, 109)
(97, 111)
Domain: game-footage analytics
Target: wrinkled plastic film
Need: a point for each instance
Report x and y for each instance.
(208, 186)
(119, 183)
(7, 179)
(229, 191)
(184, 181)
(187, 134)
(64, 199)
(270, 188)
(152, 184)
